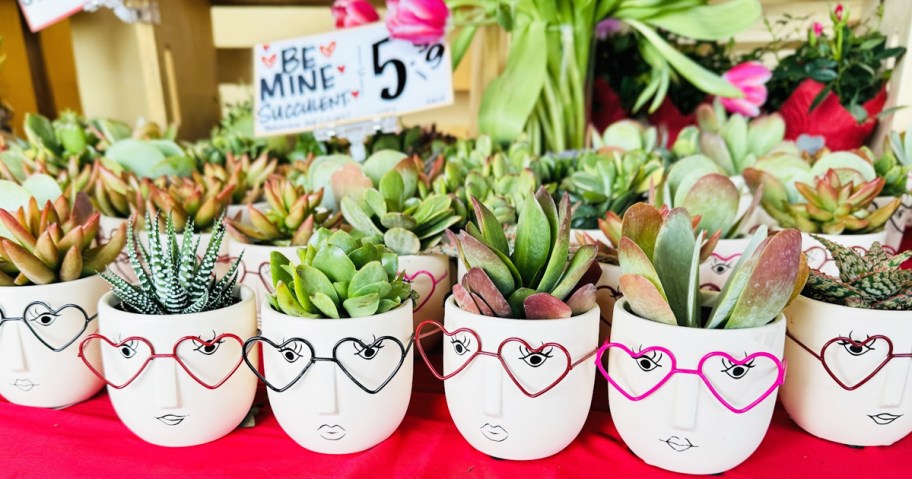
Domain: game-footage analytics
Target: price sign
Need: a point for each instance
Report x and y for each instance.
(351, 75)
(44, 13)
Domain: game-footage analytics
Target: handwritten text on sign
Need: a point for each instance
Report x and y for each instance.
(346, 76)
(43, 13)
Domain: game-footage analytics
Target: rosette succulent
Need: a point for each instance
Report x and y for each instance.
(247, 177)
(198, 199)
(895, 165)
(660, 265)
(870, 281)
(339, 276)
(539, 278)
(54, 243)
(407, 223)
(626, 135)
(733, 142)
(171, 279)
(290, 220)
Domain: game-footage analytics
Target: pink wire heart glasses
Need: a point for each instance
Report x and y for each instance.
(854, 348)
(734, 368)
(469, 346)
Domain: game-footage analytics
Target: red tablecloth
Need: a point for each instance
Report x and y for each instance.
(87, 440)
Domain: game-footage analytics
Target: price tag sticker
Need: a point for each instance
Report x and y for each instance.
(44, 13)
(347, 76)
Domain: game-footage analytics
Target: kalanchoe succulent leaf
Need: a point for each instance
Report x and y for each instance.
(533, 242)
(645, 300)
(362, 305)
(673, 257)
(333, 261)
(517, 300)
(372, 272)
(402, 241)
(560, 241)
(714, 146)
(483, 307)
(641, 224)
(277, 263)
(583, 299)
(464, 299)
(476, 254)
(477, 282)
(715, 199)
(545, 306)
(327, 307)
(490, 228)
(737, 280)
(289, 304)
(579, 265)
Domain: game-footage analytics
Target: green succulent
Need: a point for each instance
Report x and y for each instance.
(339, 276)
(539, 278)
(408, 224)
(895, 165)
(660, 266)
(610, 181)
(874, 280)
(171, 280)
(732, 141)
(234, 136)
(626, 135)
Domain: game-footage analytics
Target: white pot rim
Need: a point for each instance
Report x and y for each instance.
(861, 238)
(262, 247)
(107, 307)
(342, 322)
(59, 284)
(886, 314)
(720, 333)
(451, 303)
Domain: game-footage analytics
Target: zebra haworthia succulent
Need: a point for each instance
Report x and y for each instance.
(171, 279)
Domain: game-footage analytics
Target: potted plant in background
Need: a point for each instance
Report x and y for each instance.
(895, 167)
(666, 339)
(833, 85)
(336, 343)
(49, 289)
(849, 349)
(171, 344)
(520, 331)
(248, 178)
(409, 226)
(292, 216)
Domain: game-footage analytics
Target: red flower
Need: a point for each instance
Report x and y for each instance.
(818, 29)
(351, 13)
(839, 10)
(418, 21)
(750, 78)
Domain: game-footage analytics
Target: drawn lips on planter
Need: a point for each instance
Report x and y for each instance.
(172, 419)
(331, 432)
(678, 444)
(884, 418)
(494, 433)
(24, 384)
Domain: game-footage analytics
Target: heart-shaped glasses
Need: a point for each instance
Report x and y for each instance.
(855, 349)
(358, 360)
(208, 362)
(534, 370)
(57, 328)
(650, 360)
(433, 281)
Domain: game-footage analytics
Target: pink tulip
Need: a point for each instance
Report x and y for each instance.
(750, 78)
(351, 13)
(418, 21)
(818, 29)
(839, 12)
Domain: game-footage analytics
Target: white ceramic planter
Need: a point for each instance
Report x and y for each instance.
(325, 410)
(896, 226)
(233, 210)
(714, 272)
(61, 315)
(164, 404)
(429, 275)
(677, 423)
(821, 259)
(121, 266)
(255, 272)
(489, 409)
(608, 290)
(878, 412)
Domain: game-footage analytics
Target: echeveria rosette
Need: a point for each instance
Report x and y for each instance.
(660, 264)
(245, 175)
(539, 278)
(895, 165)
(874, 280)
(338, 276)
(199, 199)
(732, 141)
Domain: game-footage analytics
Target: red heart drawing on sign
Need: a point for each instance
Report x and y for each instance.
(327, 50)
(341, 68)
(355, 93)
(266, 46)
(269, 61)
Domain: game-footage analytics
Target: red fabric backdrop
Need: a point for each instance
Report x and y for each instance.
(87, 440)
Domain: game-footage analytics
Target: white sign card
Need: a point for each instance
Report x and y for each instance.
(351, 75)
(44, 13)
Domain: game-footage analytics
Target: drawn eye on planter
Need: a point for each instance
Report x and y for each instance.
(736, 399)
(207, 348)
(867, 358)
(128, 349)
(720, 267)
(550, 362)
(369, 365)
(56, 328)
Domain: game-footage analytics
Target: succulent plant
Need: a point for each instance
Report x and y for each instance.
(626, 135)
(247, 176)
(153, 158)
(895, 165)
(234, 136)
(339, 275)
(610, 181)
(418, 140)
(408, 224)
(198, 199)
(832, 205)
(789, 166)
(292, 217)
(660, 264)
(872, 281)
(54, 243)
(733, 142)
(539, 279)
(171, 279)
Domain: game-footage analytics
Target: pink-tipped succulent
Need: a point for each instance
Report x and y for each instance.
(540, 279)
(292, 217)
(660, 264)
(186, 198)
(247, 177)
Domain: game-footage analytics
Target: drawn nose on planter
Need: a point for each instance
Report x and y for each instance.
(326, 394)
(687, 402)
(493, 393)
(12, 354)
(166, 387)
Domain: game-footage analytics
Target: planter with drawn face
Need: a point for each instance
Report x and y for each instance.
(429, 276)
(337, 386)
(715, 270)
(849, 372)
(176, 380)
(820, 259)
(691, 400)
(516, 388)
(607, 292)
(107, 225)
(896, 226)
(40, 331)
(254, 271)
